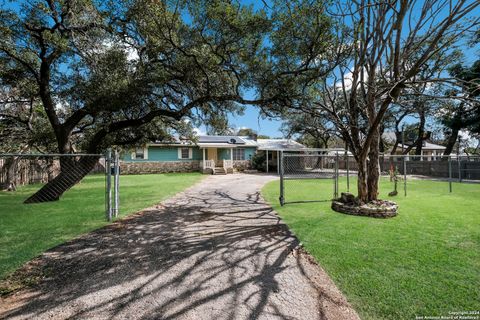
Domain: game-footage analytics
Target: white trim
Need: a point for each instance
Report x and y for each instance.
(179, 153)
(203, 158)
(243, 149)
(133, 155)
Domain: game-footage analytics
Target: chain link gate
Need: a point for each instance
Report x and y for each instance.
(52, 175)
(297, 170)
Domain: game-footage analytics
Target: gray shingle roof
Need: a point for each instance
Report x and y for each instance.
(221, 139)
(279, 144)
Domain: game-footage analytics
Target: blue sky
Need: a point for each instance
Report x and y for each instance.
(251, 117)
(271, 127)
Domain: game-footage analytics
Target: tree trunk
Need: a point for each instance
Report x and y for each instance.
(72, 171)
(10, 166)
(421, 133)
(452, 139)
(373, 168)
(362, 181)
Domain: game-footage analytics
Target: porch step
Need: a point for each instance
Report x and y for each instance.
(219, 170)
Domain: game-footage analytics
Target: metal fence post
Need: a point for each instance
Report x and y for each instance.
(281, 198)
(404, 175)
(348, 170)
(459, 164)
(108, 168)
(336, 175)
(116, 183)
(450, 173)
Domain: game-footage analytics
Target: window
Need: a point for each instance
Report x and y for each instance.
(139, 154)
(238, 154)
(184, 153)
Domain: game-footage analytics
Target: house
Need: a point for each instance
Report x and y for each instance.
(272, 149)
(430, 151)
(209, 154)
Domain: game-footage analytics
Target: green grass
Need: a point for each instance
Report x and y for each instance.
(424, 262)
(28, 230)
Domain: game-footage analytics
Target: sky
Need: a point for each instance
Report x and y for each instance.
(251, 117)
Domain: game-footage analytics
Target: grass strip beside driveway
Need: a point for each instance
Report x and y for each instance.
(28, 230)
(424, 262)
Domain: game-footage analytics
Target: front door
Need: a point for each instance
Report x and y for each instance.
(212, 154)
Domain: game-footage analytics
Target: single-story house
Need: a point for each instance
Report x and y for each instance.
(430, 151)
(209, 154)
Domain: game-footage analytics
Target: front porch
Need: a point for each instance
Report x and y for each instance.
(217, 160)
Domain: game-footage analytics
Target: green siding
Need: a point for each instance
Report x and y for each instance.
(159, 153)
(224, 154)
(249, 153)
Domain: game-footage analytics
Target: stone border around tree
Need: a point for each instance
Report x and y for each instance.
(382, 209)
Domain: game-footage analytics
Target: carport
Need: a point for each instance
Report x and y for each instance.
(273, 149)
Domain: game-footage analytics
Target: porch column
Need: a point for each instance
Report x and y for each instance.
(278, 163)
(231, 155)
(203, 158)
(421, 155)
(267, 159)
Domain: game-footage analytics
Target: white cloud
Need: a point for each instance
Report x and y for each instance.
(199, 132)
(132, 54)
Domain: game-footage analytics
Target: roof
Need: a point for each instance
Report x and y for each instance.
(220, 139)
(238, 141)
(250, 141)
(426, 146)
(279, 144)
(432, 146)
(391, 136)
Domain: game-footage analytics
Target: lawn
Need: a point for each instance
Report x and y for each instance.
(424, 262)
(28, 230)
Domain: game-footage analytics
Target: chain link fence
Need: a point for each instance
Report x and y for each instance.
(303, 174)
(50, 176)
(302, 170)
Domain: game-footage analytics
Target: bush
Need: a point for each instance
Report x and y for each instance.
(259, 162)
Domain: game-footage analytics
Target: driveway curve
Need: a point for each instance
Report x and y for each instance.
(214, 251)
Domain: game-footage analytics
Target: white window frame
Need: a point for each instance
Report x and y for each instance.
(235, 154)
(145, 154)
(190, 153)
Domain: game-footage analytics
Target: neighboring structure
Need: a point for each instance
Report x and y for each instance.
(272, 149)
(210, 154)
(430, 151)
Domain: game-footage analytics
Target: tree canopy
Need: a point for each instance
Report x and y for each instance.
(86, 75)
(118, 73)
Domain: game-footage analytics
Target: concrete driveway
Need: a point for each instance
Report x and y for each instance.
(215, 251)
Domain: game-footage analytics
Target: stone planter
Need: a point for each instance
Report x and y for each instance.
(377, 209)
(149, 167)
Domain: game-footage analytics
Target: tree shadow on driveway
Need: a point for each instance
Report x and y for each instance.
(206, 254)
